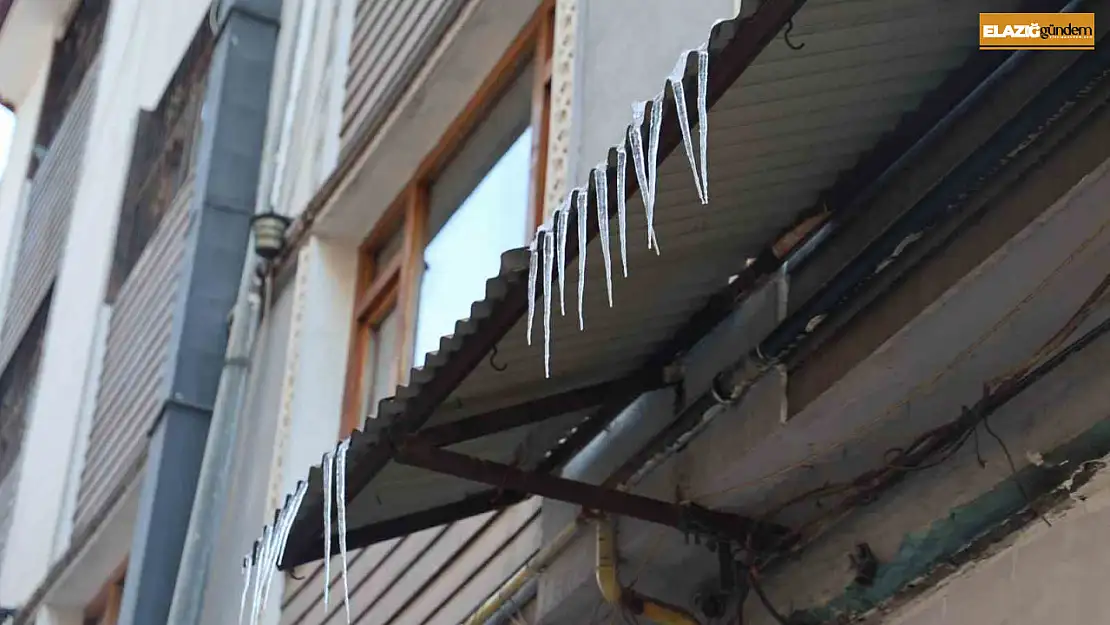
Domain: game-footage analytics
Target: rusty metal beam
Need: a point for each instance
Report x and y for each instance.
(685, 517)
(534, 411)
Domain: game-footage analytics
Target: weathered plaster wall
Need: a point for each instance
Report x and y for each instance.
(1043, 575)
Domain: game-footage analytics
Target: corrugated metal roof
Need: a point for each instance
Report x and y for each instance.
(779, 135)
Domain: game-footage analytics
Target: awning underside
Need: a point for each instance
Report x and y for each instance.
(778, 137)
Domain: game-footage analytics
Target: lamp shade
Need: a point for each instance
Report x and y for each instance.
(269, 234)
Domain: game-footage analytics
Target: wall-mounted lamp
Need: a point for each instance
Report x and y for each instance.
(269, 234)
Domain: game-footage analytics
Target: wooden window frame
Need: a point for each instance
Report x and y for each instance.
(394, 287)
(105, 606)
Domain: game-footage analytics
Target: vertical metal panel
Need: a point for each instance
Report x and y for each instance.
(7, 503)
(390, 42)
(132, 382)
(49, 206)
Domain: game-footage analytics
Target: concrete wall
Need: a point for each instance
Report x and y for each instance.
(624, 51)
(142, 44)
(1045, 574)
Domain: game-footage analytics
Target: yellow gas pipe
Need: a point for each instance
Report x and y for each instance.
(608, 581)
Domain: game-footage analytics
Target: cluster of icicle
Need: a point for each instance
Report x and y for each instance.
(551, 237)
(260, 565)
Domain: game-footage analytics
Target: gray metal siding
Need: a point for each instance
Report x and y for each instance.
(133, 378)
(49, 206)
(436, 576)
(390, 42)
(8, 493)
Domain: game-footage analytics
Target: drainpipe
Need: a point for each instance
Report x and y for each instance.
(223, 434)
(608, 581)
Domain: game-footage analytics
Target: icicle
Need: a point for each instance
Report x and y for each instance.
(341, 505)
(622, 206)
(675, 79)
(548, 261)
(326, 469)
(582, 215)
(532, 261)
(639, 158)
(703, 118)
(256, 596)
(270, 563)
(248, 562)
(291, 517)
(562, 220)
(601, 186)
(282, 524)
(653, 162)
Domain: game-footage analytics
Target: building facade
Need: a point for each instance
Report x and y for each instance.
(858, 368)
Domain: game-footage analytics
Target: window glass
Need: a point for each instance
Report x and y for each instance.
(380, 373)
(478, 209)
(467, 250)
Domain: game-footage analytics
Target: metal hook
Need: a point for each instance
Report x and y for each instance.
(786, 36)
(496, 367)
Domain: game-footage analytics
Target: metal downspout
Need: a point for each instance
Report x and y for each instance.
(608, 581)
(212, 484)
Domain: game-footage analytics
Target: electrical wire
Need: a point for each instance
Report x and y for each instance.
(920, 389)
(1013, 470)
(753, 582)
(935, 446)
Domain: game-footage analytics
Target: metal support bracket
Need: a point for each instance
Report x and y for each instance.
(688, 518)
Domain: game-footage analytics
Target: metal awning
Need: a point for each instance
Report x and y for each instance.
(785, 123)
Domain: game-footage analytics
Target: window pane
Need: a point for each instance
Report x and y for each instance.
(380, 373)
(467, 249)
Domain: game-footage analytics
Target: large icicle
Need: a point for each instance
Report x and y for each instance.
(601, 187)
(326, 469)
(294, 509)
(675, 80)
(248, 564)
(341, 506)
(703, 118)
(562, 219)
(643, 173)
(256, 596)
(582, 214)
(654, 126)
(533, 260)
(271, 556)
(622, 205)
(548, 261)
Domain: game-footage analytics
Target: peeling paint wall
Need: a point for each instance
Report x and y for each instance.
(1045, 574)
